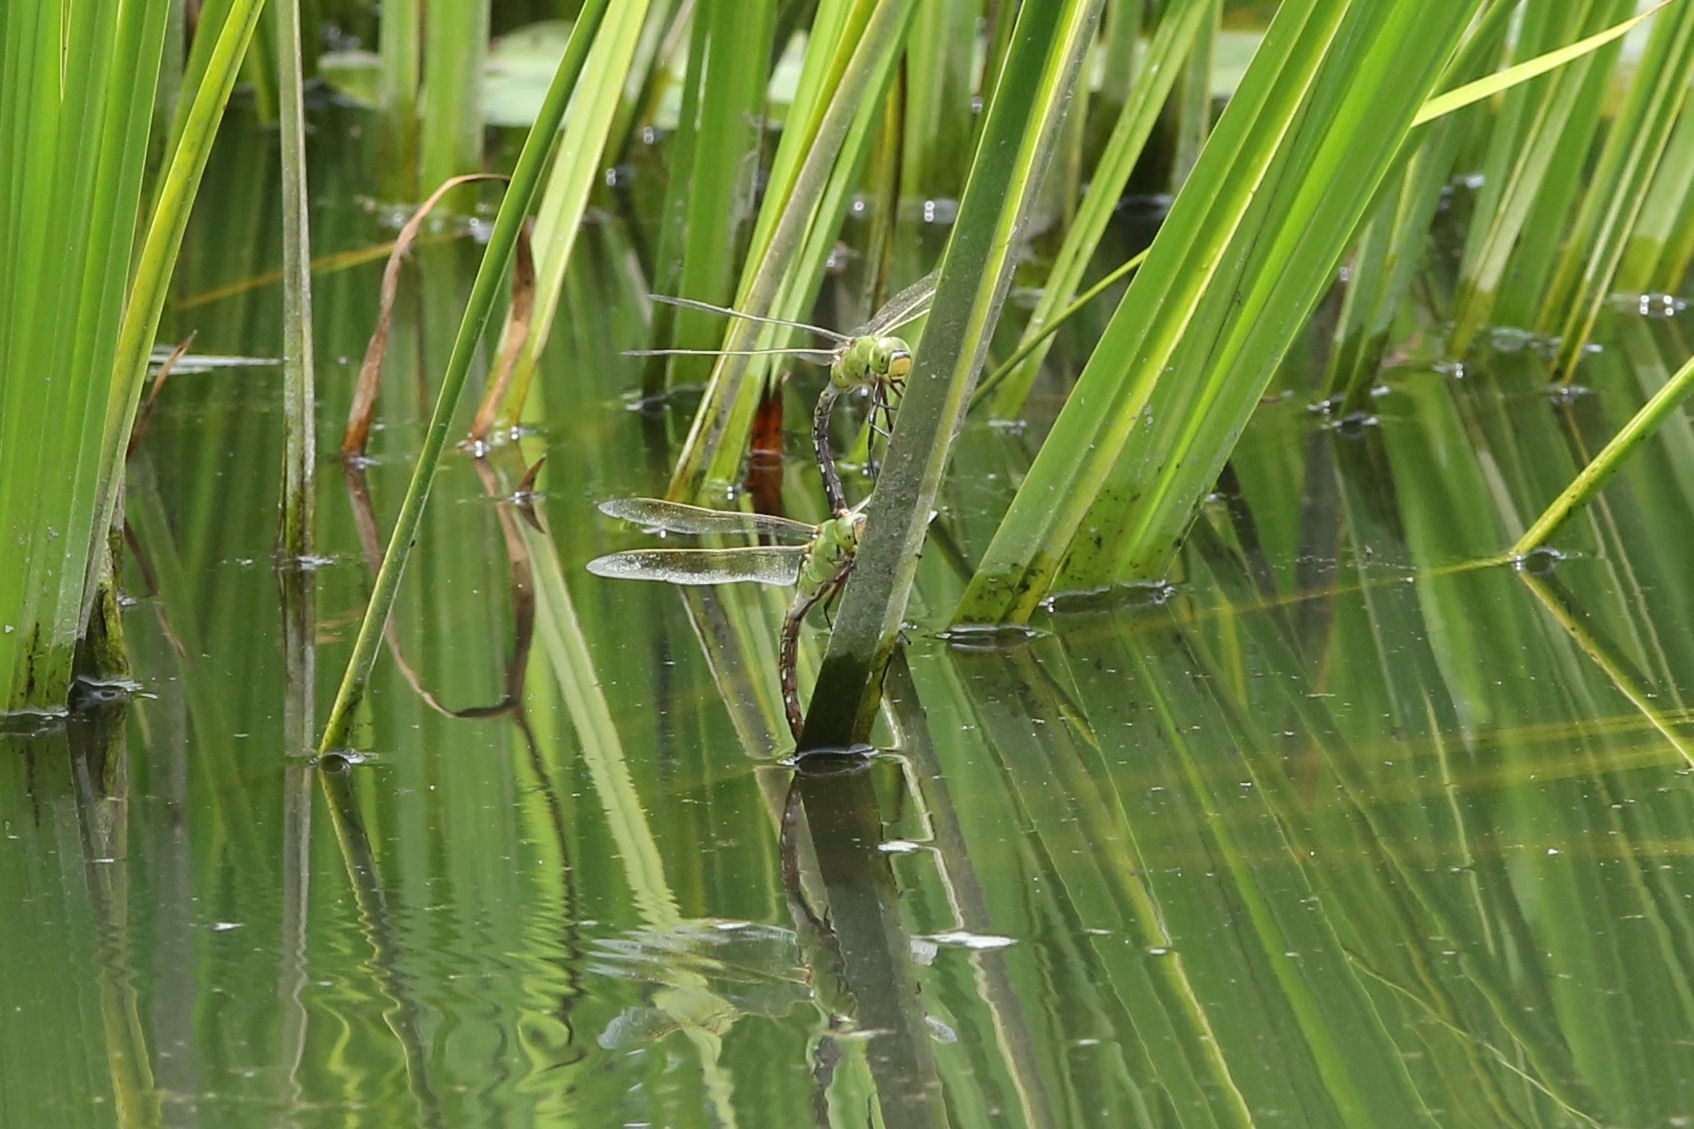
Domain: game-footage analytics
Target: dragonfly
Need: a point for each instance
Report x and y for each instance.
(867, 357)
(817, 568)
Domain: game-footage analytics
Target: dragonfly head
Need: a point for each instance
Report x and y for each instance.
(891, 358)
(872, 361)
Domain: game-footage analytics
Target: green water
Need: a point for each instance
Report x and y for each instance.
(1339, 831)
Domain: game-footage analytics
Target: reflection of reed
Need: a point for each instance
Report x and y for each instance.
(565, 648)
(865, 943)
(1167, 1039)
(1557, 600)
(292, 976)
(297, 590)
(405, 1017)
(966, 897)
(521, 569)
(100, 780)
(735, 636)
(517, 517)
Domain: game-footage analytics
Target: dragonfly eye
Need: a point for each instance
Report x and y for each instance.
(891, 357)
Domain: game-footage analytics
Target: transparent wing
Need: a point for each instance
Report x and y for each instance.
(675, 517)
(760, 564)
(691, 304)
(815, 356)
(906, 306)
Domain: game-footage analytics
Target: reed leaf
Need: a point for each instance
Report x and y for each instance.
(1501, 81)
(1390, 249)
(299, 384)
(576, 169)
(1251, 243)
(77, 86)
(400, 47)
(449, 109)
(1046, 50)
(823, 141)
(158, 254)
(712, 171)
(1174, 40)
(1661, 245)
(1598, 472)
(513, 208)
(1619, 183)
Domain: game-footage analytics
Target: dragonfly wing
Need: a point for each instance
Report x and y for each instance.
(815, 356)
(760, 564)
(675, 517)
(906, 306)
(691, 304)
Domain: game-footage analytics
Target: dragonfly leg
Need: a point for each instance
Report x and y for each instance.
(829, 602)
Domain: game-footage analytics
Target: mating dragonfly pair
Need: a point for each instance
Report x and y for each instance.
(868, 358)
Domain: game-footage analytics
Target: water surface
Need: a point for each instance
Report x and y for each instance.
(1341, 829)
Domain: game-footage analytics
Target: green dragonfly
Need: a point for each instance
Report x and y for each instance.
(817, 568)
(868, 357)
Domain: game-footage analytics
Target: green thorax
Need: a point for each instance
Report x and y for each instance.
(831, 552)
(869, 361)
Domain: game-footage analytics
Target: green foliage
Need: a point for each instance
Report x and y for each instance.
(514, 206)
(1046, 51)
(80, 84)
(1250, 245)
(1357, 825)
(1325, 158)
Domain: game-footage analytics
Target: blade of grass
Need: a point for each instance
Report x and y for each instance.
(450, 109)
(159, 254)
(1391, 248)
(299, 395)
(845, 83)
(576, 169)
(710, 203)
(1540, 131)
(1046, 53)
(1249, 246)
(1655, 257)
(1501, 81)
(400, 45)
(1193, 101)
(1173, 41)
(1618, 186)
(1605, 464)
(77, 89)
(525, 178)
(1031, 343)
(939, 62)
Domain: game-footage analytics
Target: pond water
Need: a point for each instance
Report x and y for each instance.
(1342, 829)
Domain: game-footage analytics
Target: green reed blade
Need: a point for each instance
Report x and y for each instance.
(1618, 185)
(490, 275)
(1660, 247)
(299, 384)
(450, 103)
(708, 210)
(1250, 244)
(1605, 464)
(823, 139)
(77, 90)
(1047, 48)
(575, 170)
(1173, 41)
(400, 45)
